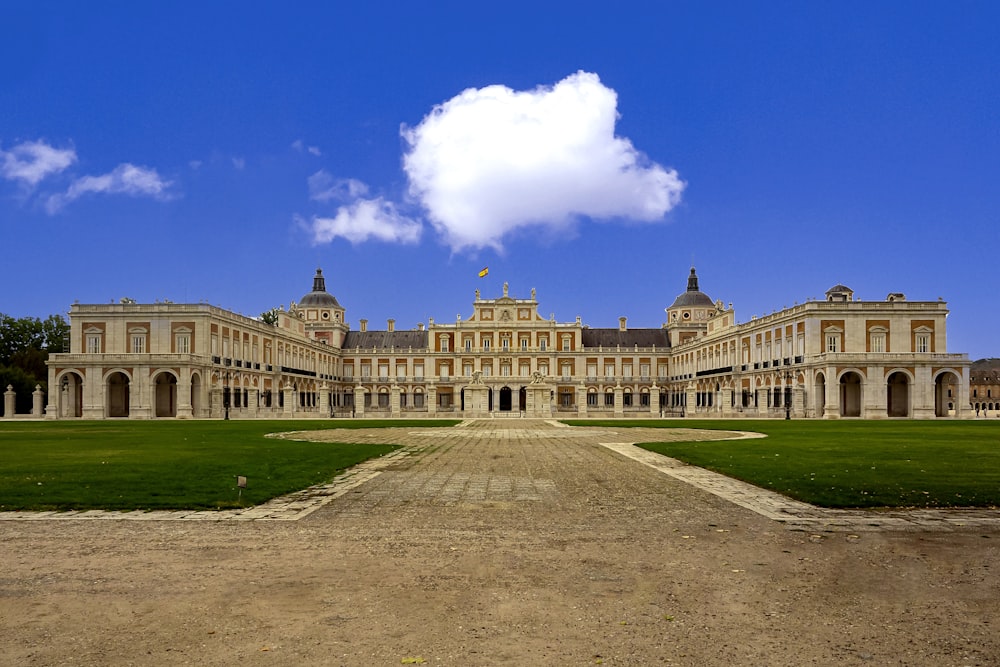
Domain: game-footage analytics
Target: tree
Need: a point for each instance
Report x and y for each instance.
(270, 317)
(25, 345)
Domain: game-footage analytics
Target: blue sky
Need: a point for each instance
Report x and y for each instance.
(220, 152)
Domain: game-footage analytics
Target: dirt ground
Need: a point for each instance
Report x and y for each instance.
(497, 544)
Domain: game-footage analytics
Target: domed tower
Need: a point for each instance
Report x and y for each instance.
(688, 315)
(322, 313)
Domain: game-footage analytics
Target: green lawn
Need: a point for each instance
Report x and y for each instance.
(169, 465)
(848, 463)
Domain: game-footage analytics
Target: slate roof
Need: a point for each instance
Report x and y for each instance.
(610, 338)
(384, 340)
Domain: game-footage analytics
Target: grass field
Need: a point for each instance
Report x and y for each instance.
(168, 465)
(851, 463)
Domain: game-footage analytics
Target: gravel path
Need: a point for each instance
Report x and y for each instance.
(495, 543)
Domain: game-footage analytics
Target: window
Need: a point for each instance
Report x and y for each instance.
(609, 370)
(627, 399)
(505, 343)
(468, 344)
(366, 371)
(543, 369)
(566, 344)
(609, 399)
(627, 371)
(878, 342)
(183, 343)
(487, 371)
(486, 345)
(542, 343)
(467, 370)
(93, 343)
(505, 370)
(444, 343)
(418, 372)
(348, 371)
(566, 399)
(138, 343)
(418, 400)
(833, 342)
(644, 400)
(644, 370)
(525, 370)
(524, 343)
(592, 400)
(383, 401)
(923, 342)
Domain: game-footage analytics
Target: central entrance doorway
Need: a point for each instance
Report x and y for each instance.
(505, 399)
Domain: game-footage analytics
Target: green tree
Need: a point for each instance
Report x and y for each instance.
(25, 345)
(270, 317)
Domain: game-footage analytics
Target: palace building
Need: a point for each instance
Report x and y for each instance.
(836, 358)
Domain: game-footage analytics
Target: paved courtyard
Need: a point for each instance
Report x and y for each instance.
(505, 542)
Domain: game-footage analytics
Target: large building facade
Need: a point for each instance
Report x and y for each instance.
(821, 359)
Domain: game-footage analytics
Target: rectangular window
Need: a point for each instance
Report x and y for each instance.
(444, 343)
(565, 345)
(366, 371)
(418, 372)
(609, 400)
(592, 400)
(486, 344)
(833, 343)
(139, 344)
(644, 400)
(878, 342)
(487, 371)
(468, 344)
(543, 369)
(418, 400)
(923, 343)
(524, 343)
(627, 371)
(505, 343)
(183, 343)
(525, 370)
(467, 370)
(505, 370)
(542, 344)
(566, 399)
(609, 370)
(94, 344)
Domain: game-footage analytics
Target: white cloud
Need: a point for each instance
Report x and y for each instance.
(366, 219)
(324, 187)
(300, 146)
(492, 160)
(32, 161)
(125, 179)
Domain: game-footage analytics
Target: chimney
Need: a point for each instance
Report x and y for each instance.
(364, 325)
(391, 323)
(621, 324)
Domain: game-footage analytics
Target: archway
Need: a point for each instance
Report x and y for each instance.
(820, 395)
(117, 399)
(945, 394)
(897, 395)
(850, 394)
(506, 399)
(165, 395)
(71, 395)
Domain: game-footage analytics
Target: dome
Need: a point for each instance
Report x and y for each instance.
(319, 296)
(693, 296)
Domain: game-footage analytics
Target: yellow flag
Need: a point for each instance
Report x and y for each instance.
(486, 270)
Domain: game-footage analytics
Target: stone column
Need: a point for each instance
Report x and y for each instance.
(581, 400)
(253, 402)
(691, 396)
(726, 402)
(619, 400)
(654, 401)
(289, 399)
(432, 398)
(9, 398)
(184, 410)
(874, 394)
(394, 407)
(924, 391)
(831, 410)
(324, 400)
(37, 401)
(359, 400)
(798, 401)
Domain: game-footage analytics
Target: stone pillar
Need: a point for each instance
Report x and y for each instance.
(924, 391)
(37, 401)
(324, 400)
(215, 402)
(874, 394)
(290, 399)
(691, 396)
(432, 399)
(798, 401)
(253, 402)
(359, 400)
(394, 407)
(654, 401)
(726, 402)
(831, 410)
(9, 398)
(184, 410)
(581, 400)
(619, 400)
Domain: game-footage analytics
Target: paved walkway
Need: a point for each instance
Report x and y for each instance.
(475, 482)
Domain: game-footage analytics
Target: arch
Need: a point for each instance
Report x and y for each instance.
(70, 396)
(897, 394)
(506, 399)
(946, 389)
(165, 394)
(116, 399)
(851, 383)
